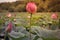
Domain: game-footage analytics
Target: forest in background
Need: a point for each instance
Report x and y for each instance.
(42, 5)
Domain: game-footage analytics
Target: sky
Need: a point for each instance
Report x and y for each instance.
(7, 1)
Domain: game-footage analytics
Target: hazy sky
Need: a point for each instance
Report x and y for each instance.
(7, 0)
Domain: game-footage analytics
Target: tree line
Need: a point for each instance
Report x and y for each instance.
(42, 6)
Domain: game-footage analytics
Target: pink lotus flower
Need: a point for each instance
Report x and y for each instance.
(31, 7)
(9, 15)
(28, 16)
(14, 20)
(9, 27)
(54, 16)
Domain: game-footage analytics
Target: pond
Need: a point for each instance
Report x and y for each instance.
(42, 26)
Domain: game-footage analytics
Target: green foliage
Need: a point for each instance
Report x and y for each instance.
(1, 22)
(36, 38)
(38, 19)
